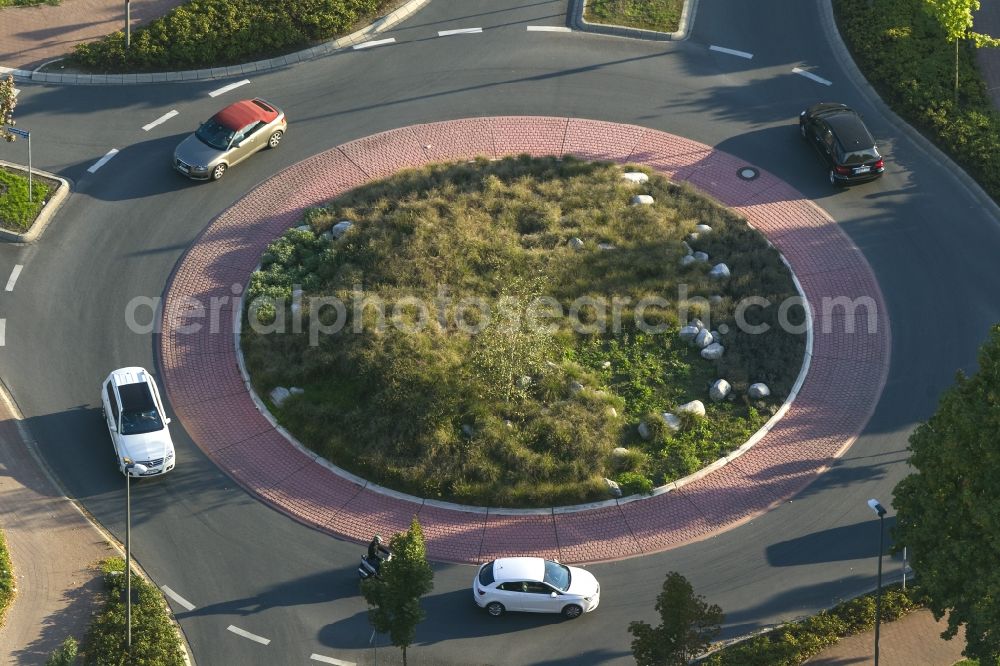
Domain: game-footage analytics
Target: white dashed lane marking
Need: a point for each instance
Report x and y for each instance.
(810, 75)
(231, 86)
(733, 52)
(162, 119)
(377, 42)
(13, 277)
(548, 28)
(246, 634)
(104, 160)
(3, 332)
(460, 31)
(181, 601)
(330, 660)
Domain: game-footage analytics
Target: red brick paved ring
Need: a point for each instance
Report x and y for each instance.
(844, 382)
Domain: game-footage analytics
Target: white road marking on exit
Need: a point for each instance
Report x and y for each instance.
(162, 119)
(231, 86)
(13, 277)
(104, 160)
(810, 75)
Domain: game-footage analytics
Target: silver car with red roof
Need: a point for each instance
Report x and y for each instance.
(229, 137)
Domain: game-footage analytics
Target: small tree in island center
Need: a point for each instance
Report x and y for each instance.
(688, 626)
(394, 596)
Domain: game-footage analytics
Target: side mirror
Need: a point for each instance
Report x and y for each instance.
(167, 421)
(553, 595)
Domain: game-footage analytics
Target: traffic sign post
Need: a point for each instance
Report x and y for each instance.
(27, 135)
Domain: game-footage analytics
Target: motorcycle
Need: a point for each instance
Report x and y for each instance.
(370, 566)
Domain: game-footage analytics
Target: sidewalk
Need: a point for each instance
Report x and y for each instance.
(31, 36)
(53, 549)
(911, 641)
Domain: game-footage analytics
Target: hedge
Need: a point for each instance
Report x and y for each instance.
(796, 642)
(216, 33)
(155, 639)
(902, 51)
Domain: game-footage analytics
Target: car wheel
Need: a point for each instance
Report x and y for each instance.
(572, 612)
(802, 130)
(833, 179)
(495, 608)
(219, 171)
(274, 139)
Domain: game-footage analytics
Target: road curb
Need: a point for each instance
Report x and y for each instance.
(577, 22)
(49, 209)
(326, 48)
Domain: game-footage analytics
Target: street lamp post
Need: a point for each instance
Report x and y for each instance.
(141, 469)
(880, 512)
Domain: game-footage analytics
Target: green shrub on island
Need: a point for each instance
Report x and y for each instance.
(507, 362)
(215, 33)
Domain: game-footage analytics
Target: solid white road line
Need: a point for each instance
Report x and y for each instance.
(3, 332)
(181, 601)
(247, 634)
(460, 31)
(162, 119)
(810, 75)
(13, 277)
(231, 86)
(548, 28)
(377, 42)
(330, 660)
(723, 49)
(104, 160)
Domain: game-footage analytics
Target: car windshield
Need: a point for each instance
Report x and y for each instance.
(215, 135)
(139, 412)
(861, 156)
(557, 575)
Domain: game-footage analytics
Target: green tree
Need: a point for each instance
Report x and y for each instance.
(394, 597)
(8, 100)
(955, 16)
(65, 654)
(688, 626)
(948, 509)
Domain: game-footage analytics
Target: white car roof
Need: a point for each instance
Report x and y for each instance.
(518, 568)
(130, 375)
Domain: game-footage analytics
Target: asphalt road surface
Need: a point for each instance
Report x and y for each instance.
(931, 241)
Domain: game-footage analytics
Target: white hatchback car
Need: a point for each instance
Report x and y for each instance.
(137, 421)
(535, 585)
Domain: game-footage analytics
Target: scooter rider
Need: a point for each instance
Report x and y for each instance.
(376, 551)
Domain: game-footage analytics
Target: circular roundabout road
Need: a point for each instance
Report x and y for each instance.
(233, 562)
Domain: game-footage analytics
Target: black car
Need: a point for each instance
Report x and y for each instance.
(844, 143)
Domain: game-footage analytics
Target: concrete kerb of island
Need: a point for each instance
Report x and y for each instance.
(577, 9)
(49, 208)
(672, 486)
(326, 48)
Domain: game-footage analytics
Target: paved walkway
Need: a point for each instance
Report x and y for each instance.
(31, 36)
(202, 376)
(914, 640)
(53, 549)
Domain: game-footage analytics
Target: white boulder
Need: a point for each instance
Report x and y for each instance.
(672, 421)
(689, 333)
(644, 430)
(613, 488)
(758, 391)
(703, 339)
(695, 408)
(635, 177)
(642, 200)
(713, 352)
(719, 272)
(575, 244)
(701, 257)
(702, 229)
(720, 390)
(687, 260)
(341, 228)
(279, 394)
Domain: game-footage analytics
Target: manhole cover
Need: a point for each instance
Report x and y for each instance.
(747, 173)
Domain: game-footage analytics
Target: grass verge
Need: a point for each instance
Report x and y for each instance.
(6, 579)
(794, 643)
(154, 636)
(446, 379)
(17, 213)
(658, 15)
(902, 52)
